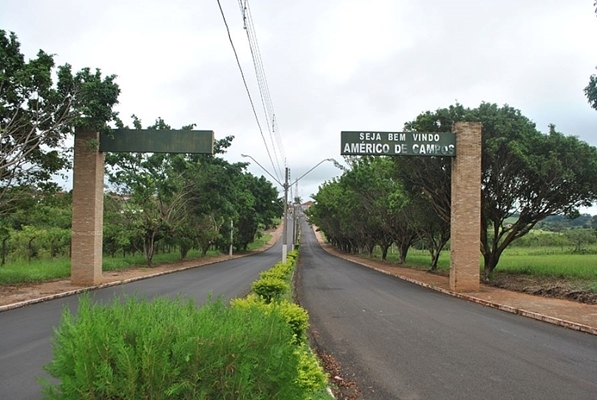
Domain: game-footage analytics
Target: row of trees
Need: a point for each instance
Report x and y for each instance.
(527, 176)
(187, 201)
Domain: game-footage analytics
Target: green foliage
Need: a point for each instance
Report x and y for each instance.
(274, 283)
(581, 238)
(559, 223)
(37, 114)
(527, 176)
(187, 200)
(557, 261)
(591, 91)
(295, 316)
(281, 270)
(311, 378)
(524, 172)
(311, 375)
(363, 208)
(34, 271)
(270, 288)
(170, 349)
(137, 349)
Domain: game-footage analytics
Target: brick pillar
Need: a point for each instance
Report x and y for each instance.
(88, 210)
(465, 224)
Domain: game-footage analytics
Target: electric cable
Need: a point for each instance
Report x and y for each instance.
(246, 87)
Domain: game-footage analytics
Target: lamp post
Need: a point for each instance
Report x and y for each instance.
(285, 185)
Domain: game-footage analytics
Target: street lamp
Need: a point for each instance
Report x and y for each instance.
(285, 185)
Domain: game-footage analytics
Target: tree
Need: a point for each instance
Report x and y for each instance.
(364, 208)
(591, 91)
(157, 187)
(580, 237)
(36, 115)
(524, 173)
(432, 231)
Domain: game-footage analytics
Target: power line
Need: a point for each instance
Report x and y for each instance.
(264, 91)
(247, 87)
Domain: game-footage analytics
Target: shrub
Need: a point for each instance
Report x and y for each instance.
(270, 288)
(311, 374)
(274, 273)
(294, 315)
(170, 349)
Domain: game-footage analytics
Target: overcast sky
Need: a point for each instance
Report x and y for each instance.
(331, 65)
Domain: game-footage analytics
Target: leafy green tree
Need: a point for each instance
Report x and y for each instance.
(525, 173)
(329, 213)
(46, 218)
(37, 114)
(364, 208)
(431, 230)
(580, 238)
(591, 91)
(258, 205)
(156, 189)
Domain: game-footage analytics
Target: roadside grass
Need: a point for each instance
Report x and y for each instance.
(555, 262)
(36, 271)
(167, 348)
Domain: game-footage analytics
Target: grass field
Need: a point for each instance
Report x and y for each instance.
(552, 262)
(59, 268)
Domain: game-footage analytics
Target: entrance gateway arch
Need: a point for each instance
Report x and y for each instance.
(464, 145)
(88, 185)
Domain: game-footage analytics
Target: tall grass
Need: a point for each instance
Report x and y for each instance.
(554, 262)
(35, 271)
(167, 349)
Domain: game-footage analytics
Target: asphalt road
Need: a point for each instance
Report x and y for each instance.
(25, 333)
(397, 340)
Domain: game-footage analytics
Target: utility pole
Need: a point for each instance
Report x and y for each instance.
(285, 230)
(295, 210)
(286, 186)
(231, 237)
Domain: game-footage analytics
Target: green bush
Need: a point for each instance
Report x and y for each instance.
(311, 375)
(295, 316)
(274, 273)
(270, 288)
(167, 349)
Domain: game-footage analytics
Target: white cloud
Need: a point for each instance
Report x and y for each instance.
(331, 65)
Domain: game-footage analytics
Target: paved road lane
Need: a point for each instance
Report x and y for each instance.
(398, 340)
(25, 333)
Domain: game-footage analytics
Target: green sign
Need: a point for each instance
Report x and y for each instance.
(157, 141)
(360, 143)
